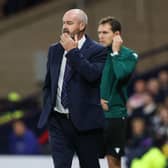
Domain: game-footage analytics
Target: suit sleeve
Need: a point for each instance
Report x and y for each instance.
(91, 69)
(124, 66)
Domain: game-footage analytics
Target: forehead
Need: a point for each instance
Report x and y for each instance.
(104, 27)
(70, 16)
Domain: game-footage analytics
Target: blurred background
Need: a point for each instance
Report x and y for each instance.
(28, 27)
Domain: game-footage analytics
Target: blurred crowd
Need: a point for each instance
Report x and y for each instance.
(18, 125)
(147, 135)
(10, 7)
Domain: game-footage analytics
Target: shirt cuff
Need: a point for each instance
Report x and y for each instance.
(114, 53)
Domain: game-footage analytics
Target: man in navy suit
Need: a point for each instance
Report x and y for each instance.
(71, 94)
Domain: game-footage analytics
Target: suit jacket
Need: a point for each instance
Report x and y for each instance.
(83, 87)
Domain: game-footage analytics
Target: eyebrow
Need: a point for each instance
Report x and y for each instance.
(67, 21)
(103, 32)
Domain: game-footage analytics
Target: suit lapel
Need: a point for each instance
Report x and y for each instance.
(57, 59)
(86, 45)
(83, 51)
(59, 52)
(58, 55)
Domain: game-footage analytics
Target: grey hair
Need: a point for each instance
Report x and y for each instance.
(81, 14)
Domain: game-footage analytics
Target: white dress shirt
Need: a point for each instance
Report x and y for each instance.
(59, 108)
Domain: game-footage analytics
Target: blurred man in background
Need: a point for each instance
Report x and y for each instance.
(119, 66)
(22, 141)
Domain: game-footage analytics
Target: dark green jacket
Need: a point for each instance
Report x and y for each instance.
(115, 78)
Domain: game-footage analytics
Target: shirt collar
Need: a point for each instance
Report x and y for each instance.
(81, 42)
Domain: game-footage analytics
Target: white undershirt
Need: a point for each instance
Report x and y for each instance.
(59, 106)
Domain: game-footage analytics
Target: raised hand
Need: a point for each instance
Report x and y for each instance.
(117, 42)
(67, 42)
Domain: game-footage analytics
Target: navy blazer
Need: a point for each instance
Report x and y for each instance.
(83, 87)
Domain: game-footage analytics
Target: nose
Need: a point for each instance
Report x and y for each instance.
(64, 26)
(100, 36)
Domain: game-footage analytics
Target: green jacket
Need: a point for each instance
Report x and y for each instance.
(116, 74)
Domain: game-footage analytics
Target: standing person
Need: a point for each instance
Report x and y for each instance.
(22, 141)
(72, 94)
(119, 66)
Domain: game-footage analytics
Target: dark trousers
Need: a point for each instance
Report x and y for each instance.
(66, 140)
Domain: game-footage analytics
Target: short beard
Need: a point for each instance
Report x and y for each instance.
(72, 35)
(65, 31)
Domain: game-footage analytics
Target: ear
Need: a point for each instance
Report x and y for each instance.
(82, 26)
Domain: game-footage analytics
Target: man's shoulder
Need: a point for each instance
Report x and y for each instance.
(95, 47)
(127, 51)
(54, 45)
(93, 43)
(98, 45)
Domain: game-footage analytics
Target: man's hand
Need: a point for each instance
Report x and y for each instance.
(117, 42)
(67, 42)
(104, 104)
